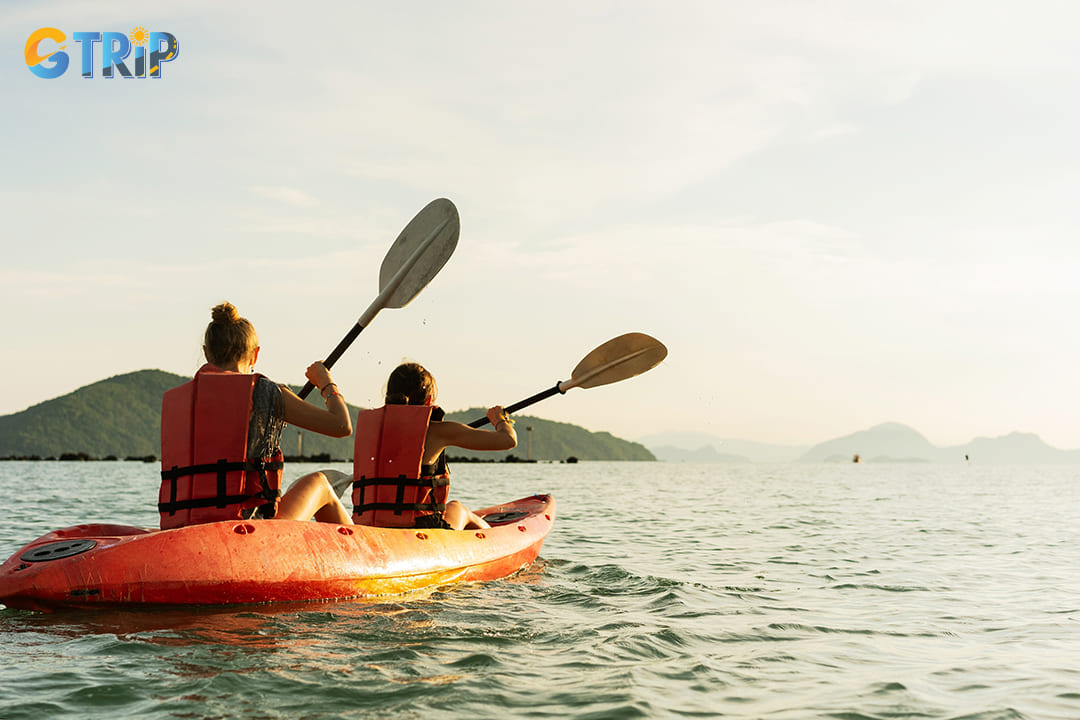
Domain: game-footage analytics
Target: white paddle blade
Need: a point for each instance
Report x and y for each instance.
(419, 252)
(341, 482)
(617, 359)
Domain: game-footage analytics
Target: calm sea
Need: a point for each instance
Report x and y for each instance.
(664, 591)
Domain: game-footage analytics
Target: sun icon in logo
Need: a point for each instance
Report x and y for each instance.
(139, 36)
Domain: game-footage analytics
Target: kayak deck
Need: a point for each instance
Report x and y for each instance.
(263, 561)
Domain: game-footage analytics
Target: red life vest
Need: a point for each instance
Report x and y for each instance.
(206, 474)
(391, 486)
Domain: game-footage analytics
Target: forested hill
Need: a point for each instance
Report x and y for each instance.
(121, 417)
(541, 439)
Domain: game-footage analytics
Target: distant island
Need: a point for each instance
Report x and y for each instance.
(889, 442)
(119, 419)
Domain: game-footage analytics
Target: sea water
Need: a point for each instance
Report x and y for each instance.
(663, 591)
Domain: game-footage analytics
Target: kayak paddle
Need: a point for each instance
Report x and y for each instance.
(338, 480)
(417, 255)
(618, 359)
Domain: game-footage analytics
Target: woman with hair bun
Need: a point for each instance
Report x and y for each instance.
(221, 453)
(400, 478)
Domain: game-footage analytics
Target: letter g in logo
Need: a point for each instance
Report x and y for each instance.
(34, 60)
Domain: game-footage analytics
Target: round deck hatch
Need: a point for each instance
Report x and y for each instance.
(501, 518)
(57, 550)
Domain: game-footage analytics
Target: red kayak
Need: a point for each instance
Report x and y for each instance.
(262, 561)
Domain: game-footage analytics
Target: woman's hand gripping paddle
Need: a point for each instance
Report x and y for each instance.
(417, 255)
(618, 359)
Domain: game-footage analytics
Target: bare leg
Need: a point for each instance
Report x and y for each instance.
(312, 496)
(459, 517)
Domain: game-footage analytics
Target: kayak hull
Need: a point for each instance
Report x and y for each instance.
(265, 561)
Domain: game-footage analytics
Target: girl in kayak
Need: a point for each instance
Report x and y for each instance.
(399, 470)
(221, 436)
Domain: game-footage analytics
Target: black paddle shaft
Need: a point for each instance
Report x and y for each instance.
(334, 356)
(524, 403)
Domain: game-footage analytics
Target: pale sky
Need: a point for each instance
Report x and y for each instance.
(834, 214)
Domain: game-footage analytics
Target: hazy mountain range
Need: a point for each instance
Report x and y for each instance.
(121, 417)
(888, 442)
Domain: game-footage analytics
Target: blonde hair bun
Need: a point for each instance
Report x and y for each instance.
(225, 313)
(229, 338)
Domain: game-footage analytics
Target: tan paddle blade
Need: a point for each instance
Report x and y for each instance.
(419, 252)
(417, 256)
(617, 359)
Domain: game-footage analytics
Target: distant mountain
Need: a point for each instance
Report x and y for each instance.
(1016, 447)
(121, 417)
(684, 446)
(887, 442)
(550, 440)
(704, 454)
(893, 442)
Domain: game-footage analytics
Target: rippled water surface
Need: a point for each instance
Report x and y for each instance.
(664, 590)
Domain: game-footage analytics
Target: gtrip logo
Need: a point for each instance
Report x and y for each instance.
(46, 58)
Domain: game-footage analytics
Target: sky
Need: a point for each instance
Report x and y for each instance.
(834, 214)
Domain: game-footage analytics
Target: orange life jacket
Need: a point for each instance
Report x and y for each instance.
(391, 486)
(206, 474)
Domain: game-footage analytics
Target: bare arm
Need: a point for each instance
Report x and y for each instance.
(333, 421)
(442, 435)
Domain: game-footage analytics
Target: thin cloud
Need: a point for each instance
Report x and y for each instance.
(287, 195)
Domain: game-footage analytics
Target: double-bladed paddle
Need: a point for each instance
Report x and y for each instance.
(417, 255)
(618, 359)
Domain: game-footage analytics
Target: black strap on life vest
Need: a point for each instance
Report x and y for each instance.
(399, 505)
(221, 468)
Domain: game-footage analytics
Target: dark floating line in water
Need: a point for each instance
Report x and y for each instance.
(848, 631)
(885, 588)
